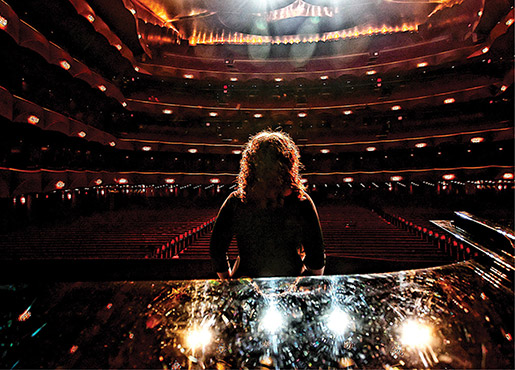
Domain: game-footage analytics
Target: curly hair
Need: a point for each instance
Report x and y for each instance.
(269, 166)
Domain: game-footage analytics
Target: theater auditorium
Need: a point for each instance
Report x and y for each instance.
(123, 127)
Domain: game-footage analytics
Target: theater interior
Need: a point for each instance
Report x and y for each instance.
(123, 124)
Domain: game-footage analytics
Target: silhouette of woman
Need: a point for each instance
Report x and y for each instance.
(274, 220)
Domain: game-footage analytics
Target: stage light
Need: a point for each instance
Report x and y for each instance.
(324, 151)
(198, 337)
(82, 134)
(420, 145)
(421, 65)
(302, 114)
(396, 178)
(167, 111)
(449, 101)
(33, 120)
(415, 334)
(272, 320)
(477, 140)
(102, 88)
(508, 176)
(64, 64)
(192, 150)
(338, 321)
(396, 107)
(449, 176)
(347, 112)
(348, 179)
(59, 184)
(371, 149)
(170, 181)
(213, 114)
(146, 148)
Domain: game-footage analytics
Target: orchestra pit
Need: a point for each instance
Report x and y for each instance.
(123, 125)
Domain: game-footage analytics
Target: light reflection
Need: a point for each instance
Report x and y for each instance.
(272, 320)
(198, 337)
(338, 321)
(416, 334)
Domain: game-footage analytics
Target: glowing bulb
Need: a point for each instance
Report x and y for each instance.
(338, 321)
(372, 72)
(234, 79)
(396, 107)
(3, 23)
(188, 76)
(278, 79)
(347, 112)
(102, 88)
(167, 111)
(192, 150)
(82, 134)
(504, 88)
(420, 145)
(213, 114)
(396, 178)
(324, 77)
(214, 180)
(112, 143)
(170, 181)
(258, 115)
(449, 101)
(324, 151)
(421, 65)
(122, 181)
(348, 179)
(98, 182)
(415, 334)
(371, 149)
(272, 321)
(449, 176)
(485, 50)
(147, 148)
(33, 120)
(90, 18)
(59, 184)
(302, 114)
(508, 176)
(477, 140)
(236, 152)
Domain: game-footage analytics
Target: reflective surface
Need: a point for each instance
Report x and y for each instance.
(448, 317)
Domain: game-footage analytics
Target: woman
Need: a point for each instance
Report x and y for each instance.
(270, 214)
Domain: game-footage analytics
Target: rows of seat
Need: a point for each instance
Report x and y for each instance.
(354, 232)
(115, 234)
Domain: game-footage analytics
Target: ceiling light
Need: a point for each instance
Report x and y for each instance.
(324, 77)
(98, 182)
(371, 149)
(477, 140)
(122, 180)
(509, 22)
(347, 112)
(124, 104)
(237, 151)
(348, 179)
(258, 115)
(90, 18)
(324, 151)
(3, 23)
(167, 111)
(214, 180)
(188, 76)
(485, 50)
(64, 64)
(396, 178)
(449, 176)
(278, 79)
(136, 69)
(192, 150)
(112, 143)
(213, 114)
(33, 120)
(170, 181)
(372, 72)
(508, 176)
(59, 184)
(118, 46)
(302, 114)
(449, 101)
(147, 148)
(82, 134)
(421, 65)
(102, 88)
(234, 79)
(504, 88)
(420, 145)
(396, 107)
